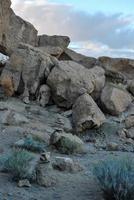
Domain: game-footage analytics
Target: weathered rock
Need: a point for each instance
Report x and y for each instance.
(115, 100)
(53, 45)
(24, 183)
(53, 51)
(112, 146)
(122, 133)
(99, 81)
(45, 157)
(2, 65)
(45, 175)
(86, 61)
(44, 95)
(130, 133)
(67, 143)
(14, 30)
(118, 68)
(131, 87)
(66, 164)
(4, 22)
(129, 121)
(54, 41)
(86, 113)
(26, 69)
(69, 80)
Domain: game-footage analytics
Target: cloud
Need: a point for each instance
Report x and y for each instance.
(96, 33)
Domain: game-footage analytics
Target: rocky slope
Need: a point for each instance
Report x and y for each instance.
(80, 108)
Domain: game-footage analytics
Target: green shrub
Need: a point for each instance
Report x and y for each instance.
(31, 144)
(116, 178)
(18, 163)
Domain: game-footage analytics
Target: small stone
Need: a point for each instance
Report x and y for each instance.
(129, 141)
(130, 133)
(122, 133)
(26, 100)
(45, 157)
(44, 95)
(24, 183)
(112, 146)
(129, 121)
(66, 164)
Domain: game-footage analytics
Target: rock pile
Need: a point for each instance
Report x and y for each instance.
(54, 101)
(42, 68)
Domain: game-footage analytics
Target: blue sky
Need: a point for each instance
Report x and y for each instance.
(96, 27)
(107, 6)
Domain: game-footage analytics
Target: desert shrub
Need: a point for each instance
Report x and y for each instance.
(32, 144)
(116, 178)
(18, 163)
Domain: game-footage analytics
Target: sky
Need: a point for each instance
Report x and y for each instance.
(96, 27)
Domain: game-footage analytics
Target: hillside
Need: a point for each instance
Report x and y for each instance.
(60, 113)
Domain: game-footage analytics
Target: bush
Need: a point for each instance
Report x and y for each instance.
(116, 178)
(18, 164)
(32, 144)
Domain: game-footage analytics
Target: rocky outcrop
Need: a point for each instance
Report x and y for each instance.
(69, 80)
(53, 51)
(118, 68)
(4, 22)
(54, 41)
(115, 100)
(131, 87)
(53, 45)
(86, 61)
(14, 29)
(86, 114)
(26, 69)
(129, 121)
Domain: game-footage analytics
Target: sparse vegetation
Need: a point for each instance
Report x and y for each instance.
(18, 163)
(32, 144)
(116, 178)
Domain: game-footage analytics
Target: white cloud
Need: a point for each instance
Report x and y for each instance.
(94, 33)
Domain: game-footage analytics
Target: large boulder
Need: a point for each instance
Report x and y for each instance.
(53, 45)
(26, 69)
(55, 41)
(86, 113)
(53, 51)
(4, 22)
(68, 80)
(120, 69)
(86, 61)
(131, 87)
(14, 30)
(115, 100)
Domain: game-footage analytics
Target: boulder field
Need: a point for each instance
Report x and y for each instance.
(55, 101)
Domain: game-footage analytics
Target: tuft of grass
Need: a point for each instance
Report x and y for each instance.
(18, 163)
(32, 144)
(116, 178)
